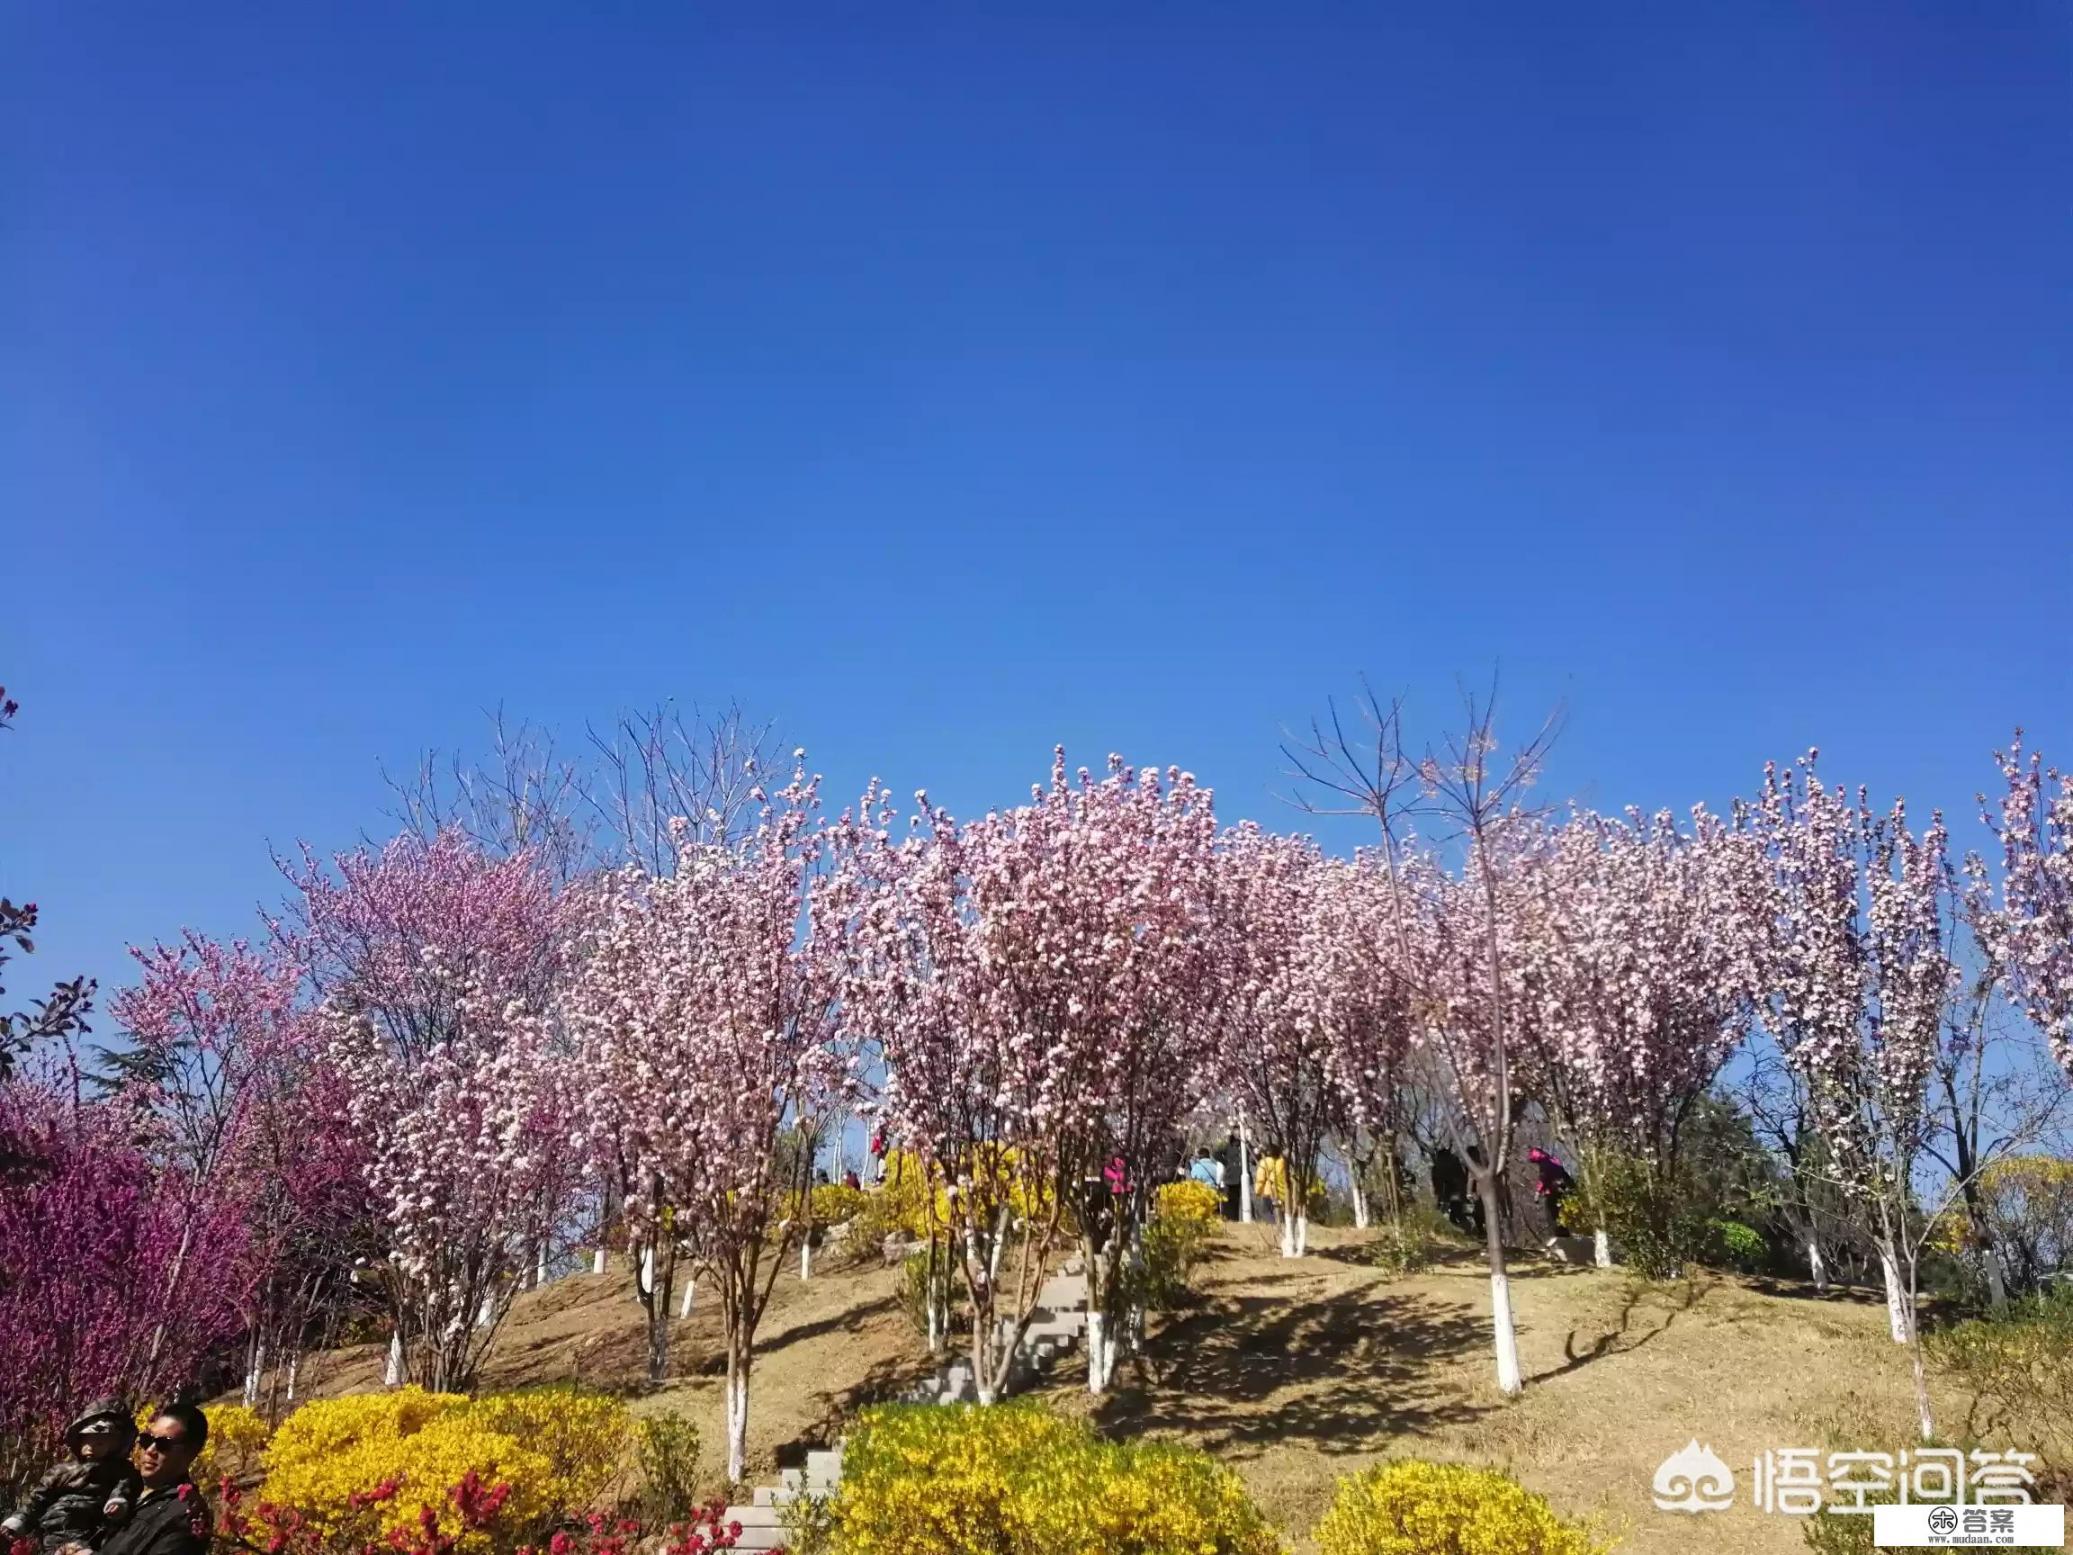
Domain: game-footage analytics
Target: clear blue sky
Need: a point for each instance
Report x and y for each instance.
(945, 382)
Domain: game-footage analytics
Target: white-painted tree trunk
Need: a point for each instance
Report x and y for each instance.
(1102, 1347)
(737, 1427)
(1509, 1381)
(1287, 1228)
(597, 1261)
(392, 1374)
(1601, 1248)
(1302, 1233)
(1896, 1300)
(253, 1371)
(294, 1366)
(1817, 1266)
(690, 1290)
(1360, 1203)
(1244, 1174)
(806, 1257)
(540, 1267)
(645, 1281)
(487, 1311)
(1997, 1280)
(935, 1313)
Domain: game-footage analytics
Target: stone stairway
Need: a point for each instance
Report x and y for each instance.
(1055, 1328)
(763, 1518)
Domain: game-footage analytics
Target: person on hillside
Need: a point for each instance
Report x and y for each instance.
(1233, 1161)
(1553, 1185)
(89, 1491)
(1450, 1186)
(1270, 1187)
(170, 1518)
(1207, 1170)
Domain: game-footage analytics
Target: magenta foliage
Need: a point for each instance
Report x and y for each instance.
(93, 1280)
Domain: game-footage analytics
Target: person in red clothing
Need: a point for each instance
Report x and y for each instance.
(1553, 1186)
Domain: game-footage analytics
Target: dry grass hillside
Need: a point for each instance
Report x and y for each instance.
(1294, 1372)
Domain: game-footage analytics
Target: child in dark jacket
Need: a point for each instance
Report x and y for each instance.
(90, 1491)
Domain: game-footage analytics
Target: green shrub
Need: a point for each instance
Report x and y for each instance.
(1741, 1247)
(666, 1449)
(1658, 1218)
(1013, 1480)
(1409, 1242)
(1444, 1509)
(2018, 1366)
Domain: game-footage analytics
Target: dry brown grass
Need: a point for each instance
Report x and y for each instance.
(1294, 1372)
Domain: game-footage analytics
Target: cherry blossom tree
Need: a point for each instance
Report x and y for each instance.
(1639, 978)
(437, 967)
(1277, 993)
(706, 1019)
(1461, 939)
(225, 1074)
(1041, 983)
(2028, 931)
(1857, 979)
(1367, 1019)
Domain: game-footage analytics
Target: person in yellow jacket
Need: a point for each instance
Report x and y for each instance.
(1270, 1186)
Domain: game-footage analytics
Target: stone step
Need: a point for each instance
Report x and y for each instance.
(753, 1516)
(808, 1480)
(824, 1460)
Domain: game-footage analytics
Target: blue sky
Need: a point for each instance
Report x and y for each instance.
(944, 382)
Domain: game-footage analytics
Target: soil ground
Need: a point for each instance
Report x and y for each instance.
(1294, 1372)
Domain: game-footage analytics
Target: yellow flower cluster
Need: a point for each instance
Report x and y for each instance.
(1418, 1508)
(1194, 1202)
(556, 1448)
(237, 1441)
(1012, 1480)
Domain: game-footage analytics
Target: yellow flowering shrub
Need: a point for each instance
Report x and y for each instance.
(556, 1448)
(1445, 1509)
(1191, 1201)
(237, 1440)
(1013, 1480)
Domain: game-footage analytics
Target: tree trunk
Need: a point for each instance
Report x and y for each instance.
(1244, 1173)
(1360, 1203)
(690, 1290)
(255, 1365)
(1997, 1280)
(294, 1366)
(737, 1411)
(1817, 1266)
(392, 1374)
(1896, 1300)
(1601, 1248)
(1509, 1380)
(806, 1257)
(597, 1261)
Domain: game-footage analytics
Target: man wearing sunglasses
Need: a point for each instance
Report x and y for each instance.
(170, 1517)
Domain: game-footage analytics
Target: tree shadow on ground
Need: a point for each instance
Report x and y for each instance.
(1680, 1298)
(1338, 1376)
(1805, 1290)
(847, 1321)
